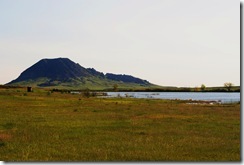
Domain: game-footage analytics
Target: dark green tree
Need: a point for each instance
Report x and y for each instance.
(86, 93)
(228, 86)
(203, 87)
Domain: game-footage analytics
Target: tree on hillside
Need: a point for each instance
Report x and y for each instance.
(228, 85)
(203, 87)
(115, 87)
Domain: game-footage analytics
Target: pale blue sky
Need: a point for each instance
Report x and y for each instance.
(167, 42)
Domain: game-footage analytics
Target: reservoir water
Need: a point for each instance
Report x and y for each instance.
(223, 97)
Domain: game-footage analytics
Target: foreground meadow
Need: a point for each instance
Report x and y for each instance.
(44, 126)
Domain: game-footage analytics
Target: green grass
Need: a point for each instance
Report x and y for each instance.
(93, 83)
(40, 126)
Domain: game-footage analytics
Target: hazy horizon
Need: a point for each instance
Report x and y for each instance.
(180, 43)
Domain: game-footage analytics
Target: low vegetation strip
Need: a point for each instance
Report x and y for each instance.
(46, 126)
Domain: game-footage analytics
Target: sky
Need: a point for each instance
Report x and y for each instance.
(182, 43)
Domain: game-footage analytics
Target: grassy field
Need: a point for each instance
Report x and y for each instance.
(44, 126)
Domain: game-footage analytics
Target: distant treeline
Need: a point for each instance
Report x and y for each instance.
(163, 89)
(181, 89)
(9, 86)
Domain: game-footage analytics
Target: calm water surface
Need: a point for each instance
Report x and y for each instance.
(207, 96)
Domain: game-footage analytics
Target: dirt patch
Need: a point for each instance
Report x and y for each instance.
(5, 137)
(163, 116)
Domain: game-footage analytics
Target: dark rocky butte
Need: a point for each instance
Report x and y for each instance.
(65, 70)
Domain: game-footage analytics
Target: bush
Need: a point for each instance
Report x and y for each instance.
(86, 93)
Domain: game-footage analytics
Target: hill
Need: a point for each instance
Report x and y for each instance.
(64, 73)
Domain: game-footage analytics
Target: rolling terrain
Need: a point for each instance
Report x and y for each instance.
(64, 73)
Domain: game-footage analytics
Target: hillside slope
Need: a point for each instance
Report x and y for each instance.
(64, 73)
